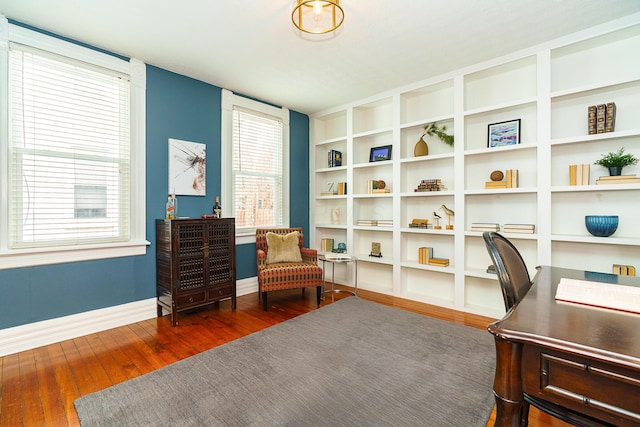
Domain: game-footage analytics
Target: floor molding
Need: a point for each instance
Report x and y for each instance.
(37, 334)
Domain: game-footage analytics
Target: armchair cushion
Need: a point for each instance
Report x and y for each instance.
(283, 248)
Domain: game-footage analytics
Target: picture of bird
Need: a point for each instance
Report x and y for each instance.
(449, 213)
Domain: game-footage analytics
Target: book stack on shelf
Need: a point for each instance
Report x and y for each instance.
(430, 185)
(619, 179)
(326, 245)
(335, 158)
(439, 262)
(420, 223)
(511, 181)
(424, 255)
(492, 185)
(601, 118)
(579, 174)
(375, 222)
(520, 228)
(485, 226)
(624, 270)
(342, 188)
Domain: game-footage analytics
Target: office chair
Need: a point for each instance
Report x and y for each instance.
(512, 271)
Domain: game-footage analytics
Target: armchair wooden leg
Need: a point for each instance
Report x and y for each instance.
(264, 301)
(318, 294)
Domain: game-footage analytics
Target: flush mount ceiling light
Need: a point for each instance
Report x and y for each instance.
(317, 16)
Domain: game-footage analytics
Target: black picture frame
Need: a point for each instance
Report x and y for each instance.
(502, 134)
(380, 154)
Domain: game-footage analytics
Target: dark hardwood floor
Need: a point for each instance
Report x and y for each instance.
(38, 386)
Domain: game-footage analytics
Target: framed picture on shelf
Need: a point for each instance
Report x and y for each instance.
(504, 133)
(380, 154)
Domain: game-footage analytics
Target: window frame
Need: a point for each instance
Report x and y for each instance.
(228, 101)
(137, 244)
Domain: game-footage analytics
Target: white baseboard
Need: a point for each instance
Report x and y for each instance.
(33, 335)
(247, 286)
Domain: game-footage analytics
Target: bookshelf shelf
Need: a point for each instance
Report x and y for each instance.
(540, 87)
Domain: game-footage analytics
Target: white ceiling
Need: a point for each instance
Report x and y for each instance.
(250, 46)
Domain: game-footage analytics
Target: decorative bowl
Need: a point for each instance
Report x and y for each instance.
(601, 225)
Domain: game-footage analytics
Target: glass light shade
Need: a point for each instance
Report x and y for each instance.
(317, 16)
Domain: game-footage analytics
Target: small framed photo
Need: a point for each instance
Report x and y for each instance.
(380, 154)
(504, 133)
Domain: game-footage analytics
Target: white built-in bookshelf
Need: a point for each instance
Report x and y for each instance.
(549, 89)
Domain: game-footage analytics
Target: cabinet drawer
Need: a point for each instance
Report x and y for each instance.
(220, 292)
(584, 385)
(191, 299)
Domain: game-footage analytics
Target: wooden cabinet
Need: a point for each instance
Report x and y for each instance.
(195, 263)
(546, 88)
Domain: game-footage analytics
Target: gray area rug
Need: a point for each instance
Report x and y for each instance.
(350, 363)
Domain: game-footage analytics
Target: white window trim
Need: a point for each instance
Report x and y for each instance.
(229, 100)
(137, 71)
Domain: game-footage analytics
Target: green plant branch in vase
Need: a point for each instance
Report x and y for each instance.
(615, 161)
(432, 129)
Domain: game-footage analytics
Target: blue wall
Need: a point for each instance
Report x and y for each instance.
(177, 107)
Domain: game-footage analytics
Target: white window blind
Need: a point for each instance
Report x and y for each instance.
(69, 151)
(257, 171)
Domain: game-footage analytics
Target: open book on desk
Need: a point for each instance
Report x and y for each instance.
(600, 294)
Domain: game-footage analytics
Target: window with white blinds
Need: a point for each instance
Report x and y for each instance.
(257, 170)
(68, 151)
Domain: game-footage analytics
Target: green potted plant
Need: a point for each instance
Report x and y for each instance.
(439, 131)
(616, 161)
(432, 129)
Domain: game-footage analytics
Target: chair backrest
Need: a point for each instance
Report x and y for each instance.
(511, 268)
(261, 236)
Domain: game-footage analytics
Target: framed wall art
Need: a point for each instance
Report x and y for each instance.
(187, 168)
(504, 133)
(380, 154)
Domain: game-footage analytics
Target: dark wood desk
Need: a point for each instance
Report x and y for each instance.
(567, 356)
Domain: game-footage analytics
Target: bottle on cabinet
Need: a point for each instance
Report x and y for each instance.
(170, 209)
(175, 205)
(217, 208)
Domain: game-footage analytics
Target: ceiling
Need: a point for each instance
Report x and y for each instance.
(250, 46)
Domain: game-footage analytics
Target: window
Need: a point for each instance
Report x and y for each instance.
(255, 148)
(70, 152)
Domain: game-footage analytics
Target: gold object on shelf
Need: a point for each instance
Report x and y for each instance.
(421, 148)
(497, 176)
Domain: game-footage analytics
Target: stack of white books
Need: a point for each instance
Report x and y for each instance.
(485, 226)
(520, 228)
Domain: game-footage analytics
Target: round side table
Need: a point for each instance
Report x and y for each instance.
(338, 259)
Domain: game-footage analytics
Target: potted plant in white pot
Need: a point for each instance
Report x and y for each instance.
(615, 161)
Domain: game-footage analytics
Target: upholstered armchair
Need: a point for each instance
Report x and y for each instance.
(284, 262)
